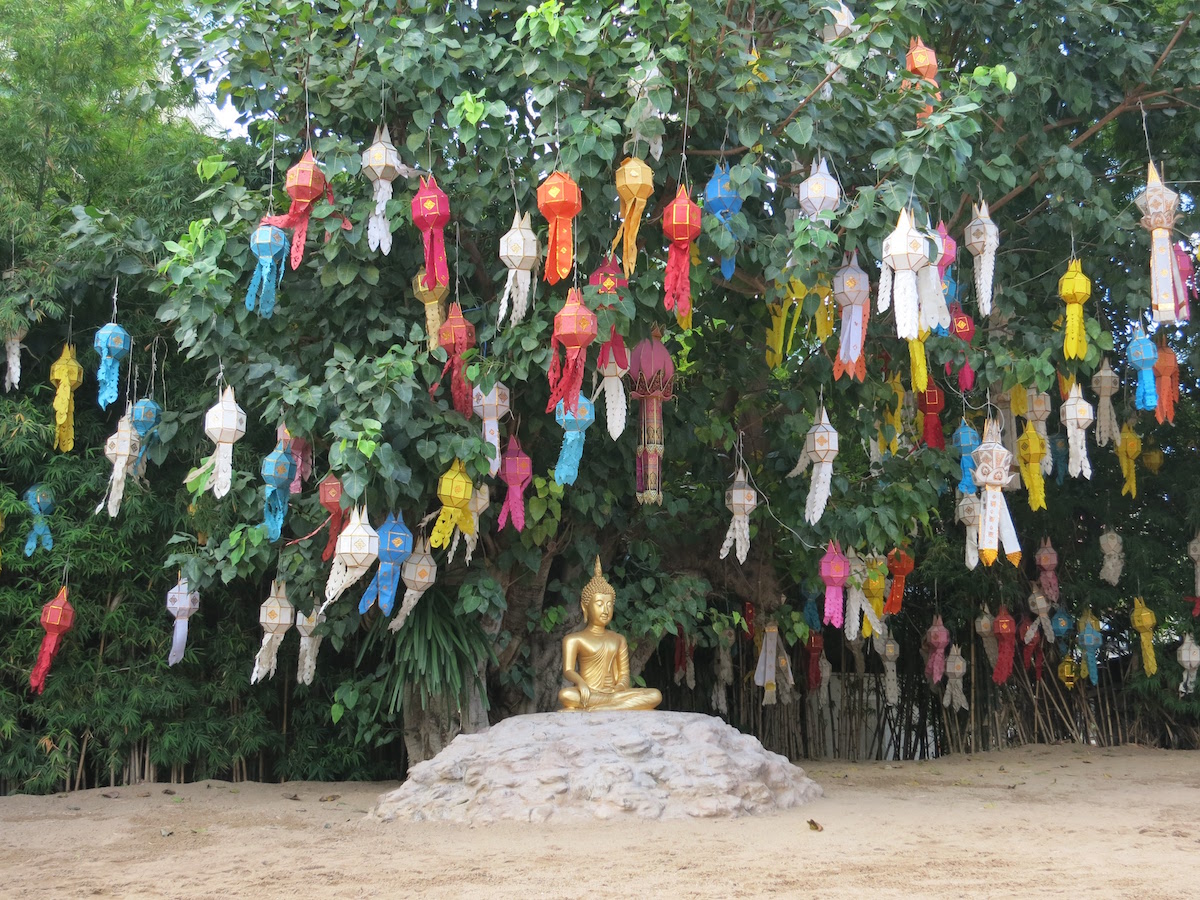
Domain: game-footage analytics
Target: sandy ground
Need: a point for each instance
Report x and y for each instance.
(1042, 821)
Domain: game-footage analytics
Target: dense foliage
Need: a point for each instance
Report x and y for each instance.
(1046, 110)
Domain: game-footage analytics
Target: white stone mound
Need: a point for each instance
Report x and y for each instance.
(578, 766)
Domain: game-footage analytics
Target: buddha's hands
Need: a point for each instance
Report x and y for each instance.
(585, 695)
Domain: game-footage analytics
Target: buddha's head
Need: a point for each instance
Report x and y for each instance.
(597, 600)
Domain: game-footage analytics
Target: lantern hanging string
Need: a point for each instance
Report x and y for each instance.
(687, 105)
(763, 498)
(116, 284)
(307, 114)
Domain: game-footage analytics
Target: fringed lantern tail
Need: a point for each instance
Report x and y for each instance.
(411, 596)
(677, 291)
(116, 492)
(886, 283)
(1149, 660)
(835, 602)
(1107, 427)
(918, 365)
(109, 376)
(818, 492)
(518, 286)
(1147, 390)
(764, 670)
(566, 470)
(49, 649)
(907, 306)
(513, 510)
(306, 667)
(443, 528)
(895, 598)
(985, 271)
(567, 382)
(437, 269)
(267, 658)
(433, 324)
(222, 474)
(560, 254)
(934, 313)
(739, 535)
(296, 219)
(379, 232)
(972, 551)
(178, 641)
(616, 406)
(274, 510)
(891, 685)
(12, 354)
(1075, 337)
(935, 666)
(1007, 649)
(966, 378)
(336, 523)
(851, 338)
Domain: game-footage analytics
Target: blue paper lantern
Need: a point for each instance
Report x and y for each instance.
(395, 547)
(812, 616)
(574, 424)
(1060, 455)
(966, 439)
(1089, 641)
(1142, 356)
(724, 202)
(146, 416)
(270, 246)
(40, 500)
(950, 287)
(112, 343)
(278, 470)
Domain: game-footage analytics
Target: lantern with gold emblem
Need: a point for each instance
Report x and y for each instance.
(741, 500)
(305, 184)
(982, 240)
(57, 618)
(419, 573)
(276, 616)
(519, 253)
(1106, 384)
(681, 225)
(381, 165)
(1075, 288)
(1160, 205)
(395, 546)
(992, 461)
(635, 185)
(456, 337)
(905, 251)
(454, 490)
(560, 201)
(433, 300)
(431, 213)
(1144, 620)
(852, 290)
(574, 331)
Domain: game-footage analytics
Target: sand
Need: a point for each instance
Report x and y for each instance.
(1040, 821)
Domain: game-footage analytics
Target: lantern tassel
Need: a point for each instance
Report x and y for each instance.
(513, 509)
(616, 406)
(1107, 427)
(310, 646)
(739, 534)
(267, 658)
(934, 313)
(566, 380)
(337, 521)
(907, 305)
(560, 255)
(222, 469)
(51, 643)
(265, 283)
(433, 324)
(891, 684)
(274, 509)
(109, 376)
(379, 232)
(886, 279)
(1147, 391)
(834, 605)
(518, 286)
(566, 470)
(972, 549)
(178, 641)
(764, 670)
(818, 491)
(850, 346)
(918, 365)
(1074, 336)
(677, 287)
(12, 353)
(1006, 640)
(383, 588)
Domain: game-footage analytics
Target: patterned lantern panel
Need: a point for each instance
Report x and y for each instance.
(419, 573)
(270, 247)
(431, 213)
(681, 225)
(66, 374)
(983, 240)
(491, 408)
(454, 490)
(652, 373)
(1160, 205)
(574, 330)
(57, 618)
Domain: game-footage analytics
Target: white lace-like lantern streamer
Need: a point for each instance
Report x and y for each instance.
(741, 500)
(1077, 416)
(982, 240)
(355, 552)
(121, 448)
(276, 616)
(310, 645)
(519, 253)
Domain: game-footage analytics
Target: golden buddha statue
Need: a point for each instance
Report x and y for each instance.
(602, 681)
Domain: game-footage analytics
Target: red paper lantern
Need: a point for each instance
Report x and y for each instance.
(931, 402)
(456, 337)
(330, 493)
(431, 213)
(816, 646)
(57, 618)
(962, 326)
(1031, 646)
(1004, 627)
(900, 566)
(608, 279)
(305, 184)
(560, 201)
(681, 225)
(574, 328)
(652, 373)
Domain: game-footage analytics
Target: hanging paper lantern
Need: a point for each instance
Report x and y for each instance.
(1160, 205)
(772, 665)
(1004, 627)
(270, 248)
(965, 439)
(329, 493)
(937, 639)
(456, 337)
(1187, 286)
(608, 280)
(635, 185)
(1011, 403)
(433, 300)
(278, 470)
(1047, 563)
(121, 449)
(724, 202)
(516, 471)
(1063, 625)
(1089, 643)
(1030, 450)
(1033, 654)
(652, 374)
(681, 225)
(559, 200)
(395, 546)
(1144, 620)
(933, 314)
(57, 618)
(182, 603)
(982, 240)
(1058, 453)
(40, 500)
(1166, 380)
(1038, 413)
(146, 416)
(1152, 457)
(918, 363)
(519, 253)
(356, 551)
(305, 184)
(891, 684)
(1194, 554)
(931, 402)
(113, 344)
(741, 500)
(1114, 557)
(480, 500)
(276, 616)
(954, 697)
(431, 213)
(983, 628)
(418, 573)
(819, 192)
(1142, 356)
(613, 365)
(1076, 415)
(1106, 383)
(301, 452)
(310, 645)
(1075, 288)
(66, 374)
(1188, 656)
(992, 461)
(962, 326)
(856, 623)
(835, 570)
(874, 587)
(905, 251)
(12, 357)
(841, 23)
(574, 330)
(574, 423)
(1039, 606)
(821, 448)
(381, 165)
(491, 408)
(949, 251)
(454, 490)
(922, 61)
(966, 511)
(224, 424)
(900, 565)
(1128, 451)
(852, 290)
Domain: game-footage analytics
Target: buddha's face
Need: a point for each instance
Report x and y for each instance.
(599, 610)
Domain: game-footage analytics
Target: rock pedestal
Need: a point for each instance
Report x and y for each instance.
(581, 766)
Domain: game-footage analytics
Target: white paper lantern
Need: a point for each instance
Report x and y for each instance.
(121, 448)
(225, 424)
(276, 616)
(1188, 656)
(992, 463)
(182, 603)
(519, 253)
(381, 165)
(1038, 413)
(12, 354)
(1113, 549)
(355, 552)
(741, 500)
(491, 408)
(983, 239)
(1106, 384)
(966, 512)
(819, 192)
(1077, 416)
(905, 251)
(310, 645)
(419, 574)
